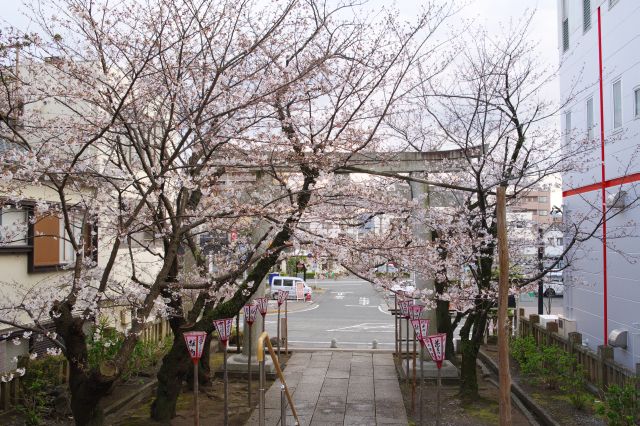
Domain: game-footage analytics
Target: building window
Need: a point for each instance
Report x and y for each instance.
(617, 104)
(542, 213)
(542, 199)
(52, 246)
(565, 25)
(590, 119)
(567, 127)
(586, 15)
(636, 101)
(13, 227)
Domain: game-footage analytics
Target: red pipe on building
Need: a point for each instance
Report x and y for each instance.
(604, 190)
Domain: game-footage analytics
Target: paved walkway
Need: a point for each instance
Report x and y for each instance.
(338, 388)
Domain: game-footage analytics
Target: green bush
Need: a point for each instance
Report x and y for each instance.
(525, 351)
(573, 383)
(551, 366)
(36, 386)
(105, 342)
(621, 405)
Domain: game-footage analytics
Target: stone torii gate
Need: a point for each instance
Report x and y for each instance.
(395, 165)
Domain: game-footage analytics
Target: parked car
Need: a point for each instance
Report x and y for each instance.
(406, 286)
(289, 284)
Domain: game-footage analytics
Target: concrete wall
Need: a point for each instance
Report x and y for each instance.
(584, 294)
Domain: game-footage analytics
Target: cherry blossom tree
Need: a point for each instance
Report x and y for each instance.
(126, 124)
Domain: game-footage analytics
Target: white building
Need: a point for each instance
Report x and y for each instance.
(599, 309)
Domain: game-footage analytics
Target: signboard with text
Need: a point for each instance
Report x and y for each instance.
(421, 329)
(195, 343)
(223, 326)
(250, 311)
(282, 296)
(263, 305)
(436, 346)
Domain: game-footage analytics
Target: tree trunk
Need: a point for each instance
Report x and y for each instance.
(174, 368)
(86, 393)
(471, 335)
(443, 321)
(468, 370)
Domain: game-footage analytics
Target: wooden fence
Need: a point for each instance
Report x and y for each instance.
(600, 368)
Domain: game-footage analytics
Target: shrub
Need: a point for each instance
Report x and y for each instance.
(551, 366)
(104, 343)
(573, 383)
(525, 351)
(40, 379)
(621, 405)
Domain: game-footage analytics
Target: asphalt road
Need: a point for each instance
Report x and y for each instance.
(350, 311)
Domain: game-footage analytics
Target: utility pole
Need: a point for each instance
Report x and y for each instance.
(503, 300)
(540, 268)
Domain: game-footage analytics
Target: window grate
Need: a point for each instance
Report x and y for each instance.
(565, 34)
(586, 15)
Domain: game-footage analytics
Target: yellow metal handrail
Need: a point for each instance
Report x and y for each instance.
(264, 337)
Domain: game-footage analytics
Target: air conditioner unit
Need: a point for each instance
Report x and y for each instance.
(544, 319)
(617, 200)
(566, 326)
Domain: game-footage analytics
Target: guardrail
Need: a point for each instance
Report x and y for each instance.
(264, 337)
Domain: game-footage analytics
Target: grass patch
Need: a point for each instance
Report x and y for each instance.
(484, 410)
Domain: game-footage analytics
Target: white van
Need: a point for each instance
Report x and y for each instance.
(289, 284)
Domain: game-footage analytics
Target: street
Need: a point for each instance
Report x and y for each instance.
(349, 310)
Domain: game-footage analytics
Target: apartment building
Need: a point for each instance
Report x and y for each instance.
(600, 82)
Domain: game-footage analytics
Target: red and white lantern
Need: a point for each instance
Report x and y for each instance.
(415, 311)
(195, 344)
(404, 308)
(223, 326)
(436, 346)
(421, 329)
(262, 304)
(282, 296)
(250, 311)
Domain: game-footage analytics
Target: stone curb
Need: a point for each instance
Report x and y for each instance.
(540, 413)
(141, 393)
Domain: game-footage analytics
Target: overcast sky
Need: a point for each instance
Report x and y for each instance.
(494, 15)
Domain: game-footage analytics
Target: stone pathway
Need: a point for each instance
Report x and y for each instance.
(338, 388)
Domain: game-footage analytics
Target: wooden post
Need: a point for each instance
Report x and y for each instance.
(503, 300)
(604, 353)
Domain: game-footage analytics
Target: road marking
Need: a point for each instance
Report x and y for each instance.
(381, 309)
(325, 342)
(360, 306)
(366, 327)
